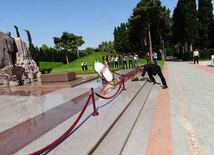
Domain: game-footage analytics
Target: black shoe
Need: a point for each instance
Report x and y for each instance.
(164, 87)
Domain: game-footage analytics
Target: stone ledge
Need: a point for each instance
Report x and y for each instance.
(58, 77)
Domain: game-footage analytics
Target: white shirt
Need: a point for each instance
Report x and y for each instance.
(195, 53)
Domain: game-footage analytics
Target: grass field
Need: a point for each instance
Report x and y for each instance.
(58, 67)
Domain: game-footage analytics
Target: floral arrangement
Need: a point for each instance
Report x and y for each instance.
(138, 79)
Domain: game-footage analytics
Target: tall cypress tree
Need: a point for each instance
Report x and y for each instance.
(17, 31)
(190, 23)
(205, 18)
(121, 41)
(185, 25)
(178, 24)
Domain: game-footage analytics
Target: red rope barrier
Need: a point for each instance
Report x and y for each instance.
(118, 73)
(65, 134)
(129, 74)
(111, 83)
(99, 95)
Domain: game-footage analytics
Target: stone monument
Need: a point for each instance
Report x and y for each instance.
(15, 59)
(4, 56)
(25, 60)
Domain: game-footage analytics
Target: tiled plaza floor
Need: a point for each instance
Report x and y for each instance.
(182, 125)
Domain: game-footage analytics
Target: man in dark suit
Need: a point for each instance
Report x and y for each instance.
(153, 69)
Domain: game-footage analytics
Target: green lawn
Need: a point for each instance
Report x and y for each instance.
(58, 67)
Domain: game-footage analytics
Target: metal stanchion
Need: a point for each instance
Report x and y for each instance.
(95, 113)
(123, 82)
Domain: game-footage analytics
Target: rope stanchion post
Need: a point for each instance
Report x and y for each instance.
(123, 82)
(95, 113)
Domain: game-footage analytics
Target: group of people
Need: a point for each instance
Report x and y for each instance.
(154, 56)
(84, 65)
(120, 61)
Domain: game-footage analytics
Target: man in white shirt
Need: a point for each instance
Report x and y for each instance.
(196, 55)
(135, 59)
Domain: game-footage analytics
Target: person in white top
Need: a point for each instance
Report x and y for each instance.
(135, 59)
(82, 65)
(196, 55)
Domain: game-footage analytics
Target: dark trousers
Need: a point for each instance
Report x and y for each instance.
(120, 64)
(130, 62)
(196, 59)
(112, 64)
(116, 64)
(160, 75)
(124, 63)
(155, 60)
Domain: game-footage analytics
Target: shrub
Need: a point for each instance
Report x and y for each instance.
(49, 69)
(43, 70)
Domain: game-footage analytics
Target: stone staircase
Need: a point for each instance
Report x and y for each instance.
(130, 134)
(122, 127)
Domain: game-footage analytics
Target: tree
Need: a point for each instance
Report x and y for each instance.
(45, 47)
(190, 23)
(146, 18)
(29, 38)
(34, 51)
(17, 31)
(163, 27)
(185, 25)
(68, 41)
(106, 47)
(178, 25)
(205, 18)
(121, 41)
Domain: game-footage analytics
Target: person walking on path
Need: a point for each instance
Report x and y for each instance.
(153, 69)
(155, 57)
(82, 65)
(196, 55)
(148, 57)
(135, 59)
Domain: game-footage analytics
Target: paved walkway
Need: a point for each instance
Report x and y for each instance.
(183, 122)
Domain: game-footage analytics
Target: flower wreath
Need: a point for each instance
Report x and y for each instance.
(138, 79)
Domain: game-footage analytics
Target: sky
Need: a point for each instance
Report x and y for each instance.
(94, 20)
